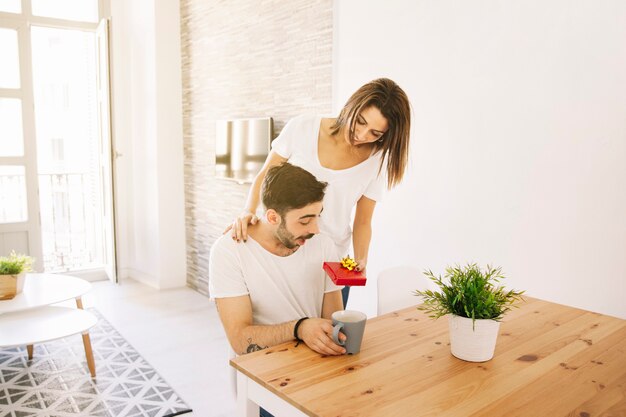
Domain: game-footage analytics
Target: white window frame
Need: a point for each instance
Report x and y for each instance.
(22, 23)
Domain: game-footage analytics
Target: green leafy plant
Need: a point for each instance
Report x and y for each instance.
(15, 264)
(468, 292)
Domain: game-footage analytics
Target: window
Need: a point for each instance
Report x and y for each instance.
(82, 10)
(12, 194)
(12, 143)
(11, 6)
(52, 174)
(10, 68)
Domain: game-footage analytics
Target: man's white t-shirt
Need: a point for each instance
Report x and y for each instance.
(298, 142)
(281, 288)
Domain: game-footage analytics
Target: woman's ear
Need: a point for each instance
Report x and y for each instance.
(273, 217)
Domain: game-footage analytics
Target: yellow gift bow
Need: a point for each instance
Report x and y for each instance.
(348, 263)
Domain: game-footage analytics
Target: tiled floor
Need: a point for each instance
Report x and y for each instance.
(178, 331)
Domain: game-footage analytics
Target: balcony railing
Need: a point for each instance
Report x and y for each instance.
(69, 211)
(13, 198)
(70, 226)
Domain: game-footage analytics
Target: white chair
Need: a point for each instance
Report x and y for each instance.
(396, 286)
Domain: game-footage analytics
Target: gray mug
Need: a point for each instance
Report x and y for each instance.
(352, 324)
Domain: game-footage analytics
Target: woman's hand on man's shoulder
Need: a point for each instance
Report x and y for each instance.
(239, 227)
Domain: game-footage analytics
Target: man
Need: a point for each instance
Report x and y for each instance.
(273, 289)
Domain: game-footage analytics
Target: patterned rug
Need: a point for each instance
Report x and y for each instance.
(56, 383)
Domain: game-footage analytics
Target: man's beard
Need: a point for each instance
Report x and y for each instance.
(287, 238)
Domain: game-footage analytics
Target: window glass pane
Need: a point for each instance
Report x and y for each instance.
(10, 68)
(12, 194)
(12, 143)
(64, 84)
(83, 10)
(11, 6)
(66, 121)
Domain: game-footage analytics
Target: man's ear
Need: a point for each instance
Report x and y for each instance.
(273, 217)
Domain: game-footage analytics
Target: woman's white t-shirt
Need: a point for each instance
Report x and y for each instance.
(298, 142)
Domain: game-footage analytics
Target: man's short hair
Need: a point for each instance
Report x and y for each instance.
(288, 187)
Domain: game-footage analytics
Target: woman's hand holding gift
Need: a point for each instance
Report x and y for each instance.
(361, 264)
(353, 265)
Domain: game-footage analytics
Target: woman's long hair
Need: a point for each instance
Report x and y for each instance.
(393, 103)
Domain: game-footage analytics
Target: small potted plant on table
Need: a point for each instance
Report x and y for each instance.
(475, 304)
(13, 270)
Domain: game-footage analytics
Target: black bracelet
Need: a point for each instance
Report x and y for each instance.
(295, 328)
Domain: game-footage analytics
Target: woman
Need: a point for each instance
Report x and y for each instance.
(358, 153)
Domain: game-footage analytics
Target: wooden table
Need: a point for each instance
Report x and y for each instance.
(550, 360)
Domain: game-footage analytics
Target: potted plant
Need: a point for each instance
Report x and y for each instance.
(13, 270)
(475, 303)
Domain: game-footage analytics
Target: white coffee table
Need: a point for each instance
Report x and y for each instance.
(28, 318)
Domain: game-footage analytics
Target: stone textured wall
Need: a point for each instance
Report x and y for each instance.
(241, 59)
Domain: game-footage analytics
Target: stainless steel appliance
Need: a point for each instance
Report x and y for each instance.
(241, 147)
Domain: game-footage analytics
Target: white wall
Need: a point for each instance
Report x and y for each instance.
(518, 140)
(147, 128)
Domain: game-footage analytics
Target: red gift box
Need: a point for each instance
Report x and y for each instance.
(342, 276)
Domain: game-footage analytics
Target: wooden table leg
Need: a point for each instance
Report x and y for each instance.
(87, 342)
(89, 354)
(29, 349)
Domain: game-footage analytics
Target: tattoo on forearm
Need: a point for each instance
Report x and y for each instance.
(253, 347)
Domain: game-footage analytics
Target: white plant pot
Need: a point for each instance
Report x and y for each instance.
(473, 343)
(21, 278)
